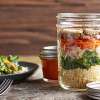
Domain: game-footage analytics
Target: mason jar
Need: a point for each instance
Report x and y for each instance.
(49, 62)
(78, 37)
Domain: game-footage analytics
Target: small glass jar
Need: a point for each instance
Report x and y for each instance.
(78, 49)
(49, 61)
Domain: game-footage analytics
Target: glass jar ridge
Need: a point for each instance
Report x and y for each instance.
(78, 20)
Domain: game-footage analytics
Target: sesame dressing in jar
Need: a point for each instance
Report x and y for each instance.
(49, 61)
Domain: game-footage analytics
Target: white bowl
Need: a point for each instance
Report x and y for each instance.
(93, 86)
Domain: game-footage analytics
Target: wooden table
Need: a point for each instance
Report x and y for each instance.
(36, 89)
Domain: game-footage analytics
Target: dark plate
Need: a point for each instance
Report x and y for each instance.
(21, 76)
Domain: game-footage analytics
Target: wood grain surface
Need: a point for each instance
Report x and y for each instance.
(40, 90)
(28, 25)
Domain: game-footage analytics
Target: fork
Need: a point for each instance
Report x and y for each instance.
(5, 85)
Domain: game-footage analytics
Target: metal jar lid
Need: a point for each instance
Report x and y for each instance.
(49, 52)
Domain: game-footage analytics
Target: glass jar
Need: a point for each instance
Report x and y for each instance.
(49, 61)
(78, 49)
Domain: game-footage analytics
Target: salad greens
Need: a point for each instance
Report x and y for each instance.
(8, 64)
(88, 59)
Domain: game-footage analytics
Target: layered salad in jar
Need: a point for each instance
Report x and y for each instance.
(79, 55)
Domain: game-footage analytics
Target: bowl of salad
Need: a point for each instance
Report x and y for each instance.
(12, 68)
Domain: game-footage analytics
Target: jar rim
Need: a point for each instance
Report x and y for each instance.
(50, 48)
(78, 20)
(78, 15)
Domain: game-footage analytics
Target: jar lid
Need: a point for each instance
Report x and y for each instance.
(48, 51)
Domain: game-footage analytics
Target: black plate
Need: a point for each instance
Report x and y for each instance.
(21, 76)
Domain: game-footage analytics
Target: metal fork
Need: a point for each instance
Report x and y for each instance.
(5, 85)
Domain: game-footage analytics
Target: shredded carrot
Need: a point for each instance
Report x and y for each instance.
(82, 43)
